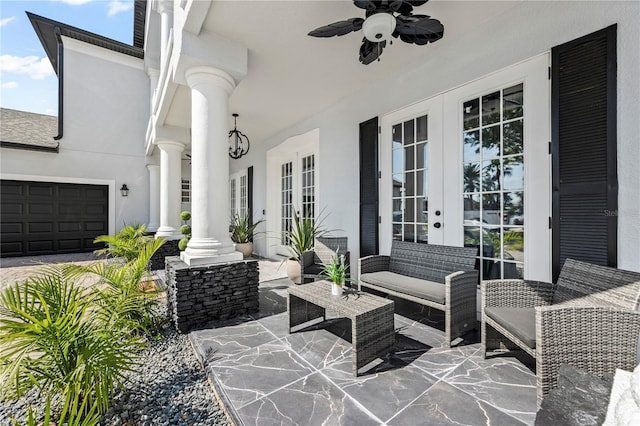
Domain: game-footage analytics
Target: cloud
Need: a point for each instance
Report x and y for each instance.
(5, 21)
(34, 67)
(9, 85)
(117, 6)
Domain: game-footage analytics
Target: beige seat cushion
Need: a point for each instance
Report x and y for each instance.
(416, 287)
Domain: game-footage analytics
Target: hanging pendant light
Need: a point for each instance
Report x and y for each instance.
(238, 142)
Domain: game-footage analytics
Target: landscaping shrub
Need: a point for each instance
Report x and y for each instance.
(126, 243)
(52, 339)
(76, 344)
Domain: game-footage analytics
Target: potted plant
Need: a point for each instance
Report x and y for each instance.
(242, 232)
(336, 271)
(298, 240)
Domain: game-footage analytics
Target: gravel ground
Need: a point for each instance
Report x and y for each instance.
(171, 389)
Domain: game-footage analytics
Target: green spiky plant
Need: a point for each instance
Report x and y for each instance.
(126, 243)
(336, 271)
(53, 336)
(242, 231)
(304, 230)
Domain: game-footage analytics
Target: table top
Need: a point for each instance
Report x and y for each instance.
(350, 304)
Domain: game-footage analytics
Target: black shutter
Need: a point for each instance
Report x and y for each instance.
(585, 181)
(369, 187)
(250, 194)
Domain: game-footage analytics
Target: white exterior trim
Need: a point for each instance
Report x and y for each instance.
(101, 53)
(295, 146)
(59, 179)
(446, 194)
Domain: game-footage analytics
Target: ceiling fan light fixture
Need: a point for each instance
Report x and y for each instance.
(379, 27)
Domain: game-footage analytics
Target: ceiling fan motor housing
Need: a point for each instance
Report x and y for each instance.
(379, 27)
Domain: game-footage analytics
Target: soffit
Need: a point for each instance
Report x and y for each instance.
(293, 76)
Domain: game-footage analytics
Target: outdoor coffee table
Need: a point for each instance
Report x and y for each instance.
(372, 327)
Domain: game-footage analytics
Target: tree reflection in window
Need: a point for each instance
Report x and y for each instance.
(493, 180)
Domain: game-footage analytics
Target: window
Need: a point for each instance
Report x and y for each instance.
(243, 195)
(308, 187)
(186, 191)
(286, 200)
(493, 181)
(410, 152)
(232, 197)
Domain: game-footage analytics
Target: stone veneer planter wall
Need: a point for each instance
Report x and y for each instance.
(196, 295)
(169, 248)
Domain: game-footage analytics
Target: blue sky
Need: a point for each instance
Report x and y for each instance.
(27, 80)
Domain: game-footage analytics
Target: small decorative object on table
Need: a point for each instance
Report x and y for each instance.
(336, 271)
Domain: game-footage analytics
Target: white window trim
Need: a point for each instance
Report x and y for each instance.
(298, 146)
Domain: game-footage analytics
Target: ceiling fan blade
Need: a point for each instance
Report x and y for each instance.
(338, 28)
(370, 51)
(416, 3)
(402, 7)
(366, 4)
(419, 25)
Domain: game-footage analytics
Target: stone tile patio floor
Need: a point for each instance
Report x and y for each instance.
(266, 376)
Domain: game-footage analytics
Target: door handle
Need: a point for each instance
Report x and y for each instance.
(437, 225)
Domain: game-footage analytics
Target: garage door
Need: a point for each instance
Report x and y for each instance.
(48, 218)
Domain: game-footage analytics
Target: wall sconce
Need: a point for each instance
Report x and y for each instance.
(124, 190)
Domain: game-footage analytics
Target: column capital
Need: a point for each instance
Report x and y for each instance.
(164, 6)
(153, 167)
(207, 75)
(170, 145)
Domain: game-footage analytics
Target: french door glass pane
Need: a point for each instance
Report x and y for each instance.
(308, 186)
(410, 153)
(493, 181)
(286, 202)
(243, 195)
(232, 197)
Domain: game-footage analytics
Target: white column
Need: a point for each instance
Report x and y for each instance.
(154, 197)
(210, 242)
(170, 180)
(165, 8)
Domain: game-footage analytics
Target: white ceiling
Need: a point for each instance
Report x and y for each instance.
(292, 76)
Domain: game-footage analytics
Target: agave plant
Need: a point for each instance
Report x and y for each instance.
(52, 337)
(242, 231)
(304, 230)
(126, 243)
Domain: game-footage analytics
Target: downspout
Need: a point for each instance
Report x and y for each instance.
(60, 73)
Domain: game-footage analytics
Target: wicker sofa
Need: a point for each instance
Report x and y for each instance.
(441, 277)
(588, 319)
(324, 249)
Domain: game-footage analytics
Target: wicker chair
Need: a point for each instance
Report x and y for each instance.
(588, 319)
(325, 248)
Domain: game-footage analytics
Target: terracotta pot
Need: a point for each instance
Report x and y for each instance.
(293, 271)
(245, 248)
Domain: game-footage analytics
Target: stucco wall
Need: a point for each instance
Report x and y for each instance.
(523, 31)
(106, 98)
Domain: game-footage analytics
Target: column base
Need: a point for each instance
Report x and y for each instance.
(169, 233)
(197, 260)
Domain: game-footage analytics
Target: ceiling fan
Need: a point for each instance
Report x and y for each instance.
(385, 19)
